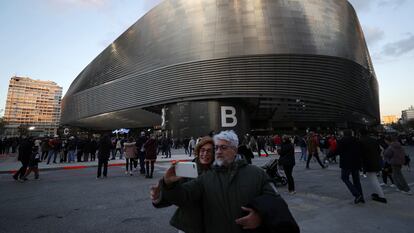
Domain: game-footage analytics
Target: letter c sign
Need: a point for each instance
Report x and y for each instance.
(228, 116)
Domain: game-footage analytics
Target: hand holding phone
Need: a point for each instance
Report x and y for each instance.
(186, 169)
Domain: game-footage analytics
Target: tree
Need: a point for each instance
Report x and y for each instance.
(2, 124)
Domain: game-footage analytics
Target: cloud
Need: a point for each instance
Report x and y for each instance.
(391, 3)
(373, 35)
(399, 48)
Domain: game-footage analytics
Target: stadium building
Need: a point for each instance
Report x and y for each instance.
(196, 66)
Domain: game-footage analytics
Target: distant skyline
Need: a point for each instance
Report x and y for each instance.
(56, 39)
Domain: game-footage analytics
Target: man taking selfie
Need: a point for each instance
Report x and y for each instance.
(235, 196)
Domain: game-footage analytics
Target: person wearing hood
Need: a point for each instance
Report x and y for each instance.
(395, 156)
(234, 195)
(188, 218)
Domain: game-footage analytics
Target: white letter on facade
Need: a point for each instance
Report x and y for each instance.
(225, 116)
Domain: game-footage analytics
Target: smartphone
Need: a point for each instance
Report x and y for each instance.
(186, 169)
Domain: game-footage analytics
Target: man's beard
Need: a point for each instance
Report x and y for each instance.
(221, 162)
(218, 162)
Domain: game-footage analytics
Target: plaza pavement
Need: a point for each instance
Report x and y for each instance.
(9, 163)
(74, 201)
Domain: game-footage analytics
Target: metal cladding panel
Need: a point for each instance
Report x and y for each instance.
(193, 50)
(198, 118)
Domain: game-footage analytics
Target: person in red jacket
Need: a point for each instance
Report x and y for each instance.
(332, 149)
(150, 155)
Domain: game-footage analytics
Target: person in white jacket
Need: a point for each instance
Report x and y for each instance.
(130, 150)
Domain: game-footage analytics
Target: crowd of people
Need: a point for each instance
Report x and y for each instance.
(227, 180)
(216, 189)
(229, 195)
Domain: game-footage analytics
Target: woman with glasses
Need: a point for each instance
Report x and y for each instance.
(188, 219)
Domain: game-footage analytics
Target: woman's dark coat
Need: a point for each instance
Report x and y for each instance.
(371, 154)
(150, 149)
(287, 154)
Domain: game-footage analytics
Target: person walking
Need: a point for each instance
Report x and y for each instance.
(261, 145)
(350, 161)
(277, 141)
(104, 147)
(245, 152)
(313, 144)
(191, 145)
(303, 148)
(395, 156)
(25, 150)
(93, 145)
(71, 149)
(332, 149)
(54, 148)
(371, 163)
(235, 196)
(253, 145)
(33, 163)
(44, 147)
(141, 152)
(150, 155)
(287, 161)
(80, 146)
(188, 218)
(118, 147)
(130, 150)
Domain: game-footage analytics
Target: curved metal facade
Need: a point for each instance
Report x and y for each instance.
(287, 61)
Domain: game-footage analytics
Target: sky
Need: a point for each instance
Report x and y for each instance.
(56, 39)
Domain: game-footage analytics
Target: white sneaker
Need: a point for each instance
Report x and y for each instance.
(382, 184)
(392, 185)
(130, 173)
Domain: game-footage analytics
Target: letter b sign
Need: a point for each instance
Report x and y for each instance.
(228, 116)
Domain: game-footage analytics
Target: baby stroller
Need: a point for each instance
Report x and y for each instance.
(272, 170)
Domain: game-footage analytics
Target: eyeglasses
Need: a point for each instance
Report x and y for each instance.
(222, 147)
(207, 151)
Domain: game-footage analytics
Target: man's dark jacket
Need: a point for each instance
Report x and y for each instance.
(349, 150)
(25, 150)
(104, 147)
(222, 192)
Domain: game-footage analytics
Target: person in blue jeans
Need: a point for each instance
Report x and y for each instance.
(350, 162)
(303, 149)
